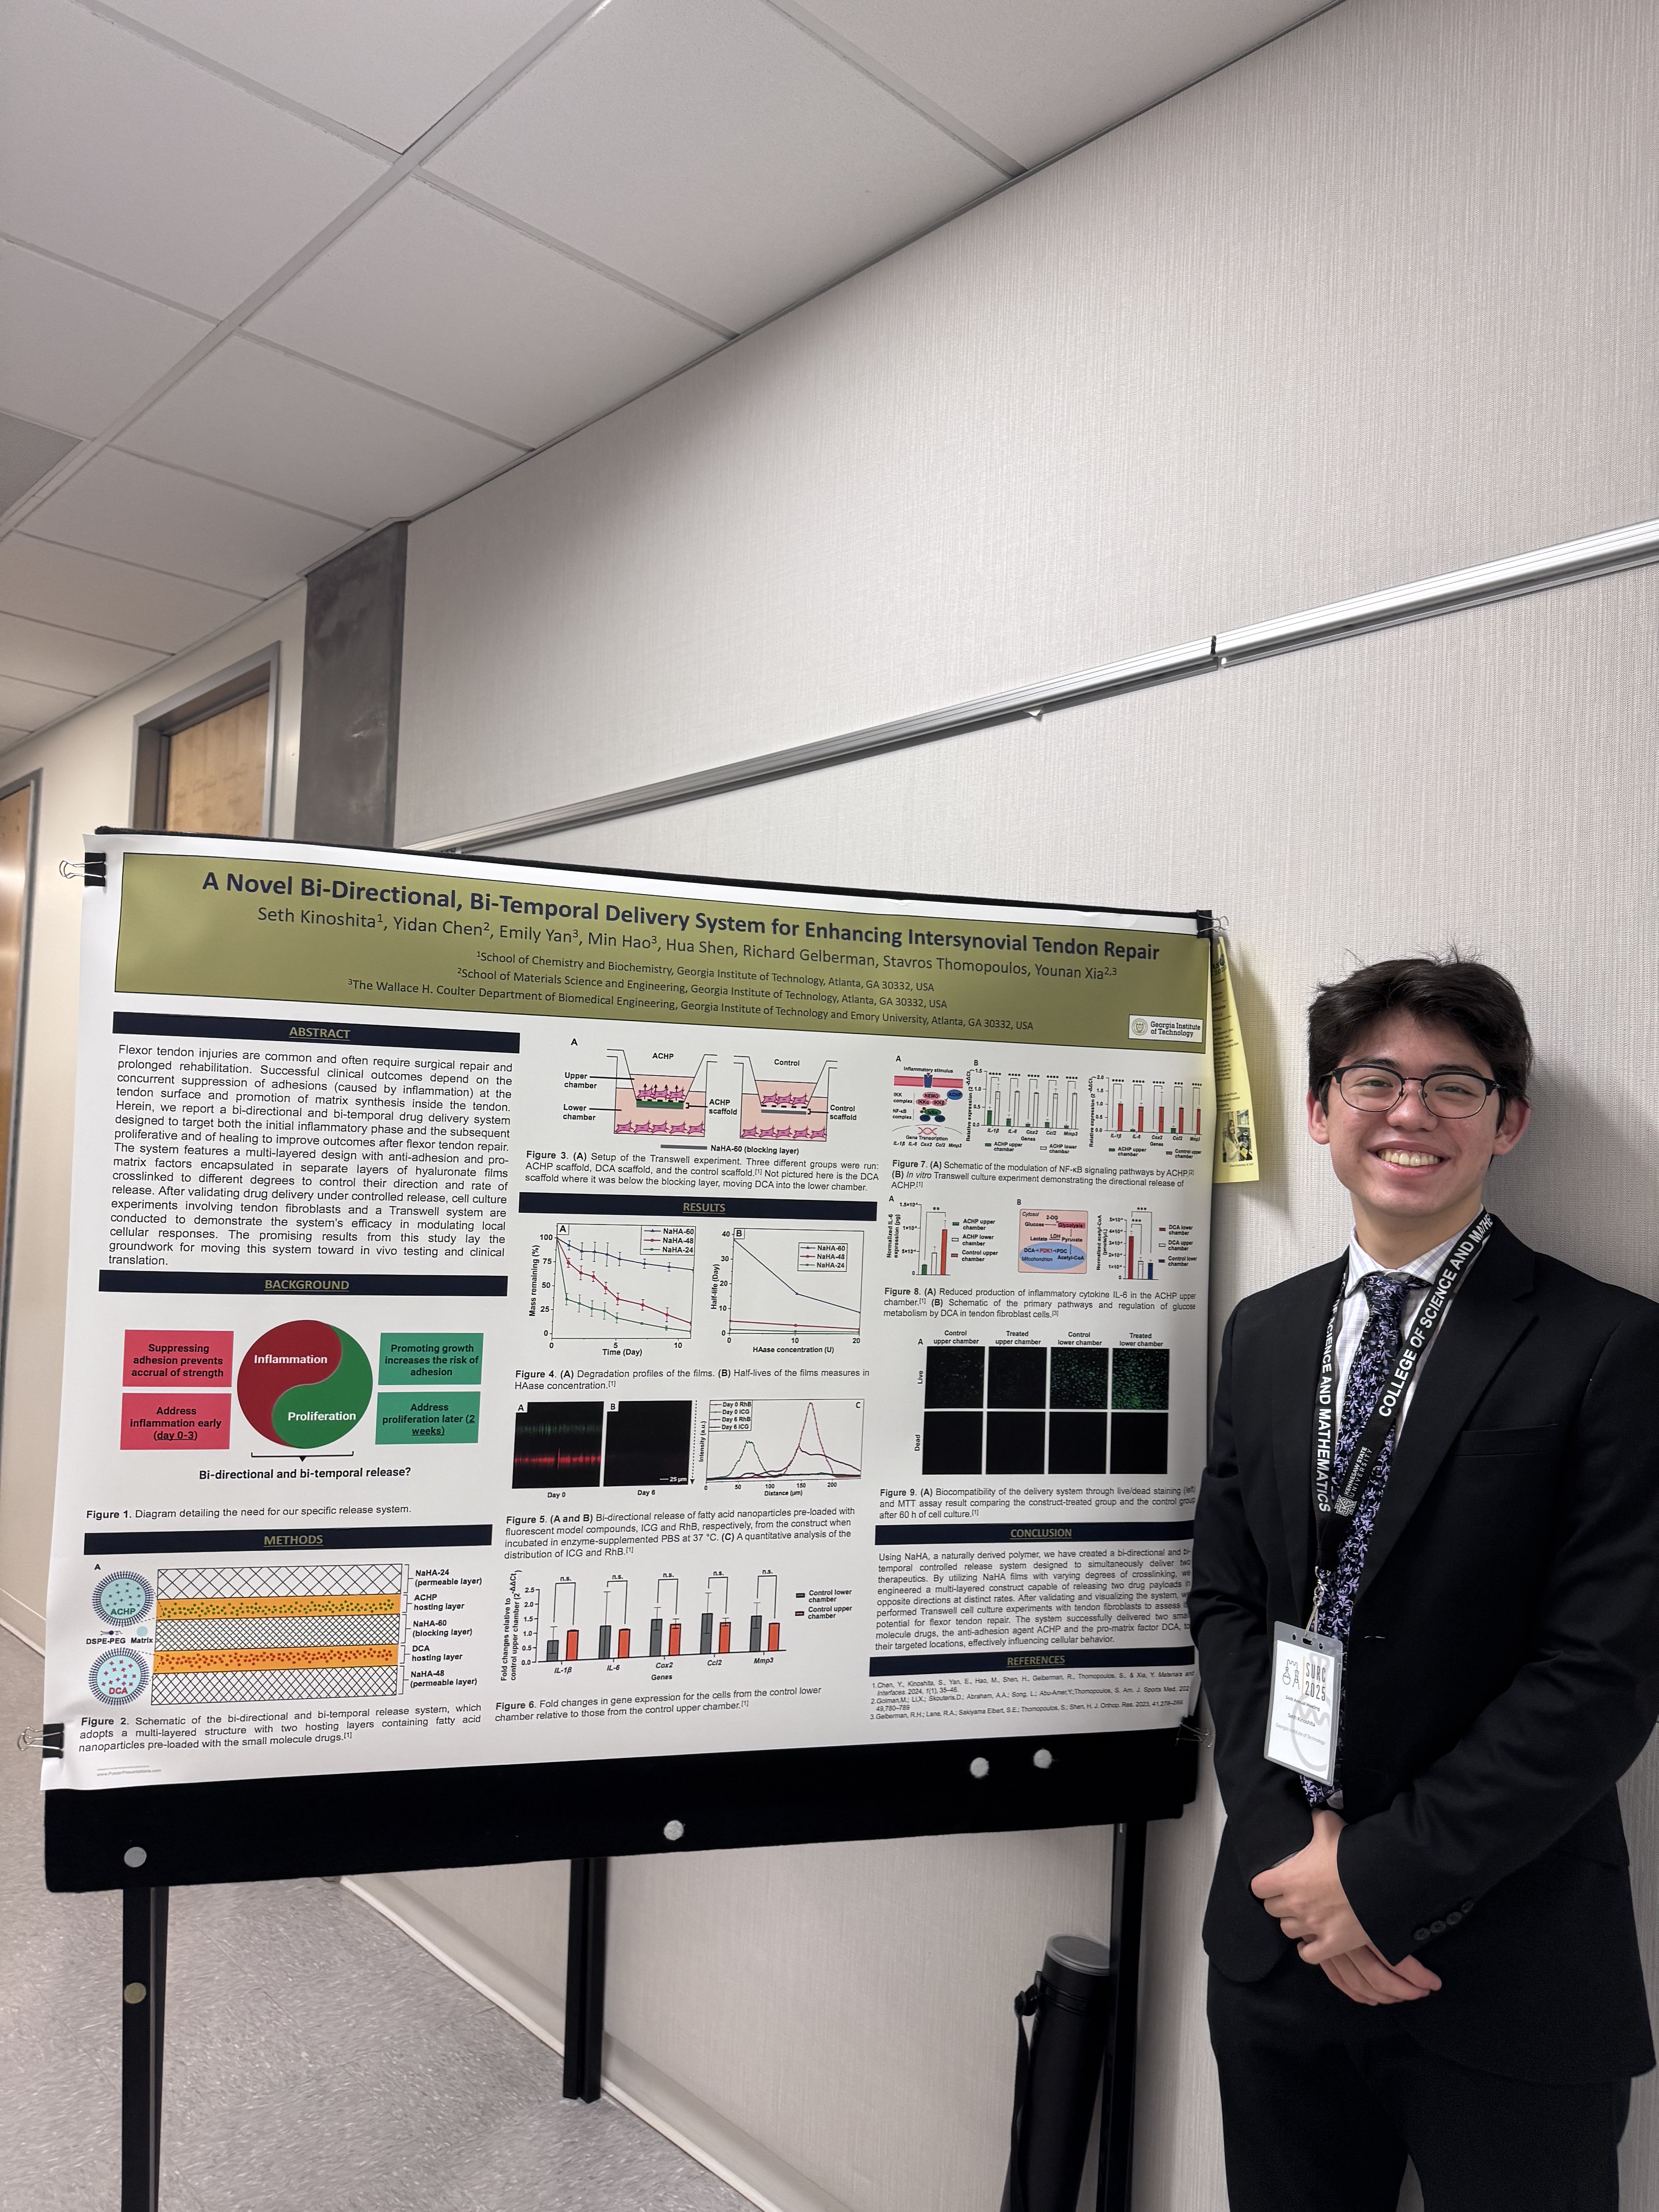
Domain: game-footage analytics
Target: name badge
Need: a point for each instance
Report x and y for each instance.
(1305, 1700)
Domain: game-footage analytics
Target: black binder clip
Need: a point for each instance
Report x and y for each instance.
(47, 1740)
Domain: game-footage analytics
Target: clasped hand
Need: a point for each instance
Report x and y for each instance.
(1304, 1895)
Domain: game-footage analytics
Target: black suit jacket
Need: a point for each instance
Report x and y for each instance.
(1502, 1668)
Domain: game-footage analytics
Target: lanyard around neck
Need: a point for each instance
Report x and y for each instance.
(1334, 1502)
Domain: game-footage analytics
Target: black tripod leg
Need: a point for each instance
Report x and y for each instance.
(1117, 2111)
(583, 1979)
(144, 2008)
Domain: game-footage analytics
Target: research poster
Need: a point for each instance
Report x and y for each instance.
(522, 1314)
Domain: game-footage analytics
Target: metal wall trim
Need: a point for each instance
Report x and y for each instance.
(1579, 560)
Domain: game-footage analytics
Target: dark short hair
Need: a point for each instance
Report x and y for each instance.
(1464, 994)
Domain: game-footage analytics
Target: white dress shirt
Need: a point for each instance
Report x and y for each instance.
(1357, 1311)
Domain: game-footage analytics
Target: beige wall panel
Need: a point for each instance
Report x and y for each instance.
(1375, 302)
(1488, 778)
(86, 766)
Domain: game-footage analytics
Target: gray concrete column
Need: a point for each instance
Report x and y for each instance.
(348, 780)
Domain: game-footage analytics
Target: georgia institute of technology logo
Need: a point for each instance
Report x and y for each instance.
(1140, 1026)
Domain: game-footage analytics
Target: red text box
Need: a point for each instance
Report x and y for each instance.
(168, 1421)
(158, 1359)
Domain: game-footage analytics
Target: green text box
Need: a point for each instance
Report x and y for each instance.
(426, 1417)
(410, 1358)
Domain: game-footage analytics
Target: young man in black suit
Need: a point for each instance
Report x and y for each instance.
(1436, 1462)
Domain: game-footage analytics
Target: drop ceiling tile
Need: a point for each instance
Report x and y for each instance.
(43, 653)
(434, 300)
(138, 510)
(76, 350)
(1035, 76)
(711, 149)
(264, 420)
(28, 450)
(27, 706)
(109, 599)
(388, 67)
(9, 736)
(140, 164)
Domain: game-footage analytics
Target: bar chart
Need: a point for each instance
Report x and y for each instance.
(546, 1625)
(1022, 1104)
(1137, 1108)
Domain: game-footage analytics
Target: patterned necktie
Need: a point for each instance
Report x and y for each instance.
(1373, 1364)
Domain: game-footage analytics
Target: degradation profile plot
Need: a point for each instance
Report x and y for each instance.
(268, 1635)
(620, 1279)
(796, 1280)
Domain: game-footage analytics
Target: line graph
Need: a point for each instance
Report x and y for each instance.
(632, 1279)
(784, 1439)
(793, 1279)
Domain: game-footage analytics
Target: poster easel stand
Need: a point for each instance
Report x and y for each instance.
(1118, 2107)
(144, 2012)
(144, 2005)
(583, 1979)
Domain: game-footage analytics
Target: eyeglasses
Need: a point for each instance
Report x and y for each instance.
(1371, 1088)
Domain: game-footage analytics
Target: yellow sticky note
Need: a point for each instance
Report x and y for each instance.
(1235, 1139)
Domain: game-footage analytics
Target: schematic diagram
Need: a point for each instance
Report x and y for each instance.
(783, 1109)
(657, 1102)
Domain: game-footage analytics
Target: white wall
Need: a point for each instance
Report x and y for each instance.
(1374, 303)
(86, 780)
(1489, 778)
